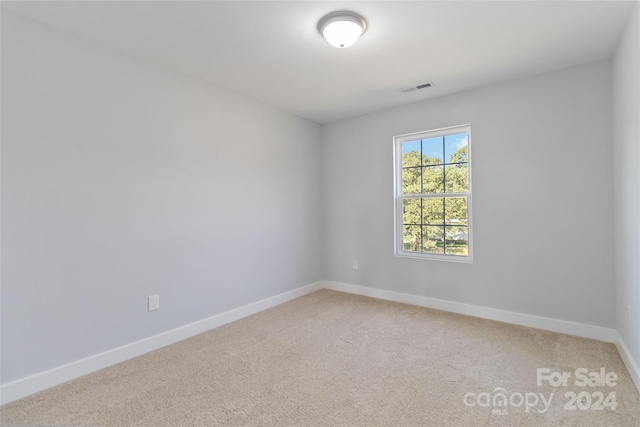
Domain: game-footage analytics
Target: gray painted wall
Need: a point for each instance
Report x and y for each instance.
(120, 180)
(626, 158)
(542, 203)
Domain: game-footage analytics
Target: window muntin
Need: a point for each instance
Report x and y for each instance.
(433, 194)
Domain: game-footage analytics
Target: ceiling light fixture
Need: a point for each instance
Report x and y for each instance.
(342, 29)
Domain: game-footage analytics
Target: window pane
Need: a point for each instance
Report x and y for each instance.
(411, 182)
(457, 178)
(432, 151)
(412, 238)
(457, 241)
(433, 239)
(456, 148)
(433, 179)
(456, 211)
(433, 187)
(433, 211)
(411, 211)
(411, 153)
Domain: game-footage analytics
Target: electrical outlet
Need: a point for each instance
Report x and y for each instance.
(154, 302)
(355, 264)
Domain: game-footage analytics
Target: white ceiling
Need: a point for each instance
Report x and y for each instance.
(271, 50)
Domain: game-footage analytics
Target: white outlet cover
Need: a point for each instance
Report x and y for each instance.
(153, 303)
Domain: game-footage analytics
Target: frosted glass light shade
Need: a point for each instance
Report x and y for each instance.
(342, 29)
(342, 34)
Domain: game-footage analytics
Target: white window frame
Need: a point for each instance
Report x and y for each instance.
(399, 197)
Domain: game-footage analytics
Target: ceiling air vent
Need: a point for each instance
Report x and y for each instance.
(412, 88)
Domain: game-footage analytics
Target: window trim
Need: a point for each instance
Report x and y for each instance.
(399, 197)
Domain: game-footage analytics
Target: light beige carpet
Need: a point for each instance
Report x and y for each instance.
(331, 358)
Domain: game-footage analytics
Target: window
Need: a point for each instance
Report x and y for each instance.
(432, 174)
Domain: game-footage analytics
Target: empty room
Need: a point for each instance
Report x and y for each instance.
(308, 213)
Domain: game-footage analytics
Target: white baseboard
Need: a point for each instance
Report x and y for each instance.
(548, 324)
(43, 380)
(631, 365)
(554, 325)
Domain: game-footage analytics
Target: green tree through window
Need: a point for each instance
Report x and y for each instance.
(434, 193)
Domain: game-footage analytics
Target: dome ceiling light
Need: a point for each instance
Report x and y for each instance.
(342, 29)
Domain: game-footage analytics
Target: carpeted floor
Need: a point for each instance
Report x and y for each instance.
(331, 358)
